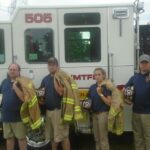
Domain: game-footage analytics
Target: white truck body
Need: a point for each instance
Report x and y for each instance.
(115, 40)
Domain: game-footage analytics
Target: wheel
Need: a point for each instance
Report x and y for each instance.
(43, 145)
(36, 138)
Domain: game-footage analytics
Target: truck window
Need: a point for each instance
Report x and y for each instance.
(81, 18)
(82, 44)
(145, 39)
(2, 47)
(38, 45)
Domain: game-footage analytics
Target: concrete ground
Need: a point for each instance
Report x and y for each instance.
(86, 142)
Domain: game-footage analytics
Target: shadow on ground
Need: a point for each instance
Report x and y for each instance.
(86, 142)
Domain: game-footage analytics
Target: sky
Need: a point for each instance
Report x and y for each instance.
(5, 6)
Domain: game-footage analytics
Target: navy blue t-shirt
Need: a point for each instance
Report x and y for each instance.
(52, 98)
(11, 104)
(98, 104)
(141, 101)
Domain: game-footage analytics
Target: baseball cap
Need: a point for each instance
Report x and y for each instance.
(144, 57)
(52, 61)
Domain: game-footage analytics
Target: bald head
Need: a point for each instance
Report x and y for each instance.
(13, 71)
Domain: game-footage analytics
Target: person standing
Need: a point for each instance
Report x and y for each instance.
(55, 130)
(11, 104)
(101, 101)
(141, 104)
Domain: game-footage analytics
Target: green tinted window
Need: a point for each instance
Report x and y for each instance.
(145, 39)
(82, 44)
(2, 48)
(81, 18)
(38, 45)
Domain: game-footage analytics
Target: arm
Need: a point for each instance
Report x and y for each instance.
(42, 85)
(128, 84)
(127, 101)
(18, 91)
(59, 88)
(106, 99)
(40, 92)
(41, 89)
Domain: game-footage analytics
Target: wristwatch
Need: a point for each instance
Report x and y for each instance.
(101, 95)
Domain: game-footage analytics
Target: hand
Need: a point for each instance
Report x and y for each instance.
(129, 102)
(86, 104)
(14, 86)
(99, 90)
(40, 92)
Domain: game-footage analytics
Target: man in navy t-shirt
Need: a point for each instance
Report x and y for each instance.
(11, 104)
(55, 130)
(141, 104)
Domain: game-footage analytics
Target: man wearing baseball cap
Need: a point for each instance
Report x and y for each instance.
(144, 58)
(141, 104)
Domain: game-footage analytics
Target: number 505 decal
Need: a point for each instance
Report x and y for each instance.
(38, 18)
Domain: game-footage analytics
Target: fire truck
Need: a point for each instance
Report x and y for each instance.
(82, 37)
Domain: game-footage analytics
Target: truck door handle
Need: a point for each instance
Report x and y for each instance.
(15, 57)
(111, 66)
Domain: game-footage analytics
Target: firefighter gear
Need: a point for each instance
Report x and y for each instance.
(71, 109)
(30, 111)
(116, 114)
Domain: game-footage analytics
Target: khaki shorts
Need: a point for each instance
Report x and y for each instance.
(54, 129)
(15, 129)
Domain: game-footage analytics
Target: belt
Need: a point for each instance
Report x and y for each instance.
(53, 109)
(97, 112)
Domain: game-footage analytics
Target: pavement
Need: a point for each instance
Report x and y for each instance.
(86, 142)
